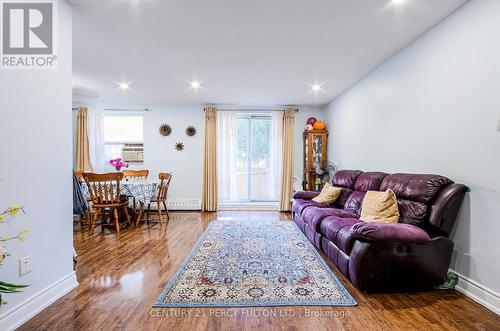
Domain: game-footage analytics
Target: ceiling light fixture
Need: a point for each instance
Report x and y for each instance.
(195, 85)
(397, 2)
(124, 86)
(316, 88)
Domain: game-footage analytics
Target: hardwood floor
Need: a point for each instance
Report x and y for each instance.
(121, 277)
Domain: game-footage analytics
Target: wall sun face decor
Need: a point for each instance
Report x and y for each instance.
(179, 146)
(165, 130)
(190, 131)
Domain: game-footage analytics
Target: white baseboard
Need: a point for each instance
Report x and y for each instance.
(184, 204)
(479, 293)
(23, 312)
(257, 206)
(195, 204)
(181, 204)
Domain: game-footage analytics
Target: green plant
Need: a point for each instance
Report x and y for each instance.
(10, 212)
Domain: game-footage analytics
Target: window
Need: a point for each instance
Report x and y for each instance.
(249, 156)
(123, 137)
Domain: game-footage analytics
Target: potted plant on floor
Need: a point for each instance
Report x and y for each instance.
(10, 212)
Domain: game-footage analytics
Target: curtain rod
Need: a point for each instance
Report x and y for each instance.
(120, 109)
(128, 109)
(250, 108)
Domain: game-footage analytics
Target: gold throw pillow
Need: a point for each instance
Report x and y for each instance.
(380, 207)
(328, 194)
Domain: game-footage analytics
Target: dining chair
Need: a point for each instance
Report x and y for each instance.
(135, 174)
(104, 191)
(79, 176)
(161, 196)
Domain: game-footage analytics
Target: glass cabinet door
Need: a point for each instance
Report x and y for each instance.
(317, 151)
(314, 156)
(306, 152)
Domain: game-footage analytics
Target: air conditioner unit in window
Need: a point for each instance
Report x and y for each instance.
(133, 153)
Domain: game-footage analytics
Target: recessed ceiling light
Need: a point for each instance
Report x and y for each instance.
(195, 84)
(124, 85)
(316, 88)
(397, 2)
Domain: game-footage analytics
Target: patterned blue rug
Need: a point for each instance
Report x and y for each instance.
(254, 263)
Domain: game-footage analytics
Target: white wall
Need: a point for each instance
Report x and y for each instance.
(433, 108)
(160, 154)
(35, 170)
(186, 166)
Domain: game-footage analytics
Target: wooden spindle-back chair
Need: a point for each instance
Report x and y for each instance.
(104, 192)
(135, 174)
(79, 175)
(162, 195)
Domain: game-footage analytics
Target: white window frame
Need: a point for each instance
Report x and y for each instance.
(123, 114)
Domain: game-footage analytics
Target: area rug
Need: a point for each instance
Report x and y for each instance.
(254, 263)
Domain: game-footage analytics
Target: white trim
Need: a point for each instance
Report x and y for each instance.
(195, 204)
(479, 293)
(267, 206)
(23, 312)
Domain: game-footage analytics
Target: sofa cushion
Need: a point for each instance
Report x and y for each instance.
(390, 232)
(328, 194)
(346, 178)
(380, 207)
(298, 205)
(307, 195)
(344, 195)
(354, 202)
(421, 188)
(412, 212)
(338, 230)
(313, 216)
(369, 181)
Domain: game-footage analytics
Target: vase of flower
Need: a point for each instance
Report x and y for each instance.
(118, 164)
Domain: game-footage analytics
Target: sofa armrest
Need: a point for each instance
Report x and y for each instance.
(386, 266)
(398, 232)
(306, 195)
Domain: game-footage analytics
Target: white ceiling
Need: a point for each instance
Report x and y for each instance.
(246, 52)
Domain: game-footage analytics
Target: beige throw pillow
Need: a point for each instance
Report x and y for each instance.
(328, 194)
(380, 207)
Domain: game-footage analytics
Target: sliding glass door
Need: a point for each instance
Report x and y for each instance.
(248, 156)
(257, 158)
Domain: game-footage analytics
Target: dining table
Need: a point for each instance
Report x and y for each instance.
(140, 189)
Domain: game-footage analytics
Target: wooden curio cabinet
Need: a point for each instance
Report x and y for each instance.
(314, 154)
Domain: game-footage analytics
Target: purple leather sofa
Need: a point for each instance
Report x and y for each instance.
(413, 254)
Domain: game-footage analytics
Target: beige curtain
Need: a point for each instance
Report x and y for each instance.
(209, 195)
(82, 142)
(288, 158)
